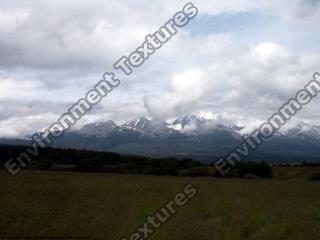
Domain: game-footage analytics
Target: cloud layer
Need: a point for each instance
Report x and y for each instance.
(243, 70)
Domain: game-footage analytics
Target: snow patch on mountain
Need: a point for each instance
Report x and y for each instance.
(194, 125)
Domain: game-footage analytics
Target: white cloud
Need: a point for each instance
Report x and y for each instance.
(53, 51)
(249, 80)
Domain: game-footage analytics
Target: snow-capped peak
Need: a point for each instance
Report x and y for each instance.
(195, 125)
(187, 120)
(140, 123)
(98, 129)
(302, 130)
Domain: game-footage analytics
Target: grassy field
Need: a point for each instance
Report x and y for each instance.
(107, 206)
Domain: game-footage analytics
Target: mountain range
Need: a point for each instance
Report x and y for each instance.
(191, 136)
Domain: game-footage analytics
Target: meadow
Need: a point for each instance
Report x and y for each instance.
(64, 205)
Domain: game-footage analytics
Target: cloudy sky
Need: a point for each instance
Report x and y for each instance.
(239, 60)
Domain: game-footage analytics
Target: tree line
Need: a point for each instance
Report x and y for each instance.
(58, 159)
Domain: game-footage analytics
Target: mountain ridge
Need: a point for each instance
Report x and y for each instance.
(190, 136)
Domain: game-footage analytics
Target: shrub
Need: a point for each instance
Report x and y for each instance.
(196, 171)
(262, 169)
(89, 165)
(189, 163)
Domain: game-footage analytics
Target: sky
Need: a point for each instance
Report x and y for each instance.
(238, 60)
